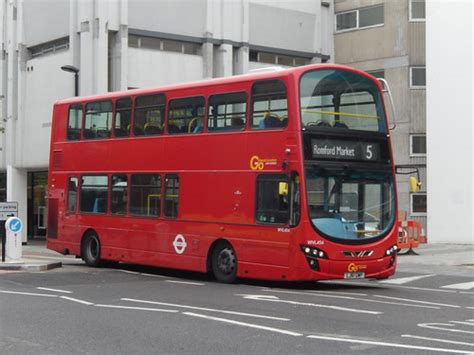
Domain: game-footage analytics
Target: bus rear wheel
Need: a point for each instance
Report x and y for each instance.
(91, 249)
(224, 263)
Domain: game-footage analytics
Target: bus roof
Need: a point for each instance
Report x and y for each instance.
(252, 76)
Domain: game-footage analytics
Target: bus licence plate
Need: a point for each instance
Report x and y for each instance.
(354, 275)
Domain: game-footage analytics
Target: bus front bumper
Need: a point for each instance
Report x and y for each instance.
(324, 269)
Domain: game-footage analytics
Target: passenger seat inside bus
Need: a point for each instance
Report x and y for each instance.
(271, 121)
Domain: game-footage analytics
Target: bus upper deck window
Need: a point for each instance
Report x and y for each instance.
(123, 117)
(269, 105)
(149, 115)
(186, 115)
(74, 123)
(98, 120)
(227, 112)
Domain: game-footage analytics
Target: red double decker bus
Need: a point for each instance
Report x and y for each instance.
(280, 175)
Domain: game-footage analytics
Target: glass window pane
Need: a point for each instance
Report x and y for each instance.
(418, 144)
(149, 115)
(72, 194)
(270, 106)
(98, 120)
(123, 116)
(149, 42)
(371, 16)
(186, 115)
(227, 112)
(267, 58)
(377, 73)
(94, 193)
(171, 196)
(418, 76)
(145, 196)
(74, 123)
(172, 46)
(418, 11)
(272, 203)
(119, 194)
(419, 203)
(346, 21)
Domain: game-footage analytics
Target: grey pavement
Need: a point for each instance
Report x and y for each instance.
(431, 257)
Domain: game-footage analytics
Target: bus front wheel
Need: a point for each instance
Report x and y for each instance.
(224, 263)
(91, 249)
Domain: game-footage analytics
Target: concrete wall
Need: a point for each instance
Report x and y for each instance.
(168, 68)
(449, 57)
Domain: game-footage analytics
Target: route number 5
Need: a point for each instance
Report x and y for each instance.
(369, 153)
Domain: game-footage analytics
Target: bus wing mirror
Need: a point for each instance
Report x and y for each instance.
(415, 185)
(283, 189)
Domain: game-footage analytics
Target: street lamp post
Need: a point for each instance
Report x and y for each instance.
(73, 69)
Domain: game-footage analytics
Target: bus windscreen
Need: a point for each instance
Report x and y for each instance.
(341, 99)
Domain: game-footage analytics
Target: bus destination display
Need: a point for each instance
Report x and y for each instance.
(345, 150)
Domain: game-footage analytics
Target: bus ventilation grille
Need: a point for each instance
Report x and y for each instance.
(358, 254)
(57, 159)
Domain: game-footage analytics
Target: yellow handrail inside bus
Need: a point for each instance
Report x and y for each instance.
(368, 231)
(149, 201)
(342, 114)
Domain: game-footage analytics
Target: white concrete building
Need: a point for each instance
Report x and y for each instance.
(450, 115)
(120, 44)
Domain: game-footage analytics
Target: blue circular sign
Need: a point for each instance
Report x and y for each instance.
(14, 225)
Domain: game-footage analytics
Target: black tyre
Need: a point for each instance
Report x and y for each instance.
(224, 263)
(91, 249)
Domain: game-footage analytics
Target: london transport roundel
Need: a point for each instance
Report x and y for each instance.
(179, 244)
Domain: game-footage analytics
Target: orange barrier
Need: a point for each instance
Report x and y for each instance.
(410, 235)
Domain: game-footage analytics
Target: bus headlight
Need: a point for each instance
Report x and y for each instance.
(312, 256)
(391, 251)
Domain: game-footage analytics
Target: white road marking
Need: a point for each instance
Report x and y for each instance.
(76, 300)
(53, 290)
(379, 343)
(186, 283)
(137, 308)
(404, 280)
(460, 286)
(352, 298)
(364, 284)
(250, 325)
(267, 298)
(206, 309)
(154, 275)
(417, 301)
(464, 323)
(436, 339)
(129, 272)
(28, 294)
(439, 326)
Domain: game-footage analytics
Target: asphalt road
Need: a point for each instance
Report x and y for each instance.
(132, 309)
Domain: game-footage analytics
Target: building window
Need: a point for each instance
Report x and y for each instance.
(418, 145)
(269, 105)
(72, 195)
(98, 120)
(360, 18)
(94, 193)
(418, 204)
(74, 123)
(417, 77)
(118, 194)
(49, 47)
(417, 10)
(272, 199)
(149, 115)
(166, 45)
(171, 196)
(186, 115)
(378, 73)
(145, 196)
(277, 59)
(227, 112)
